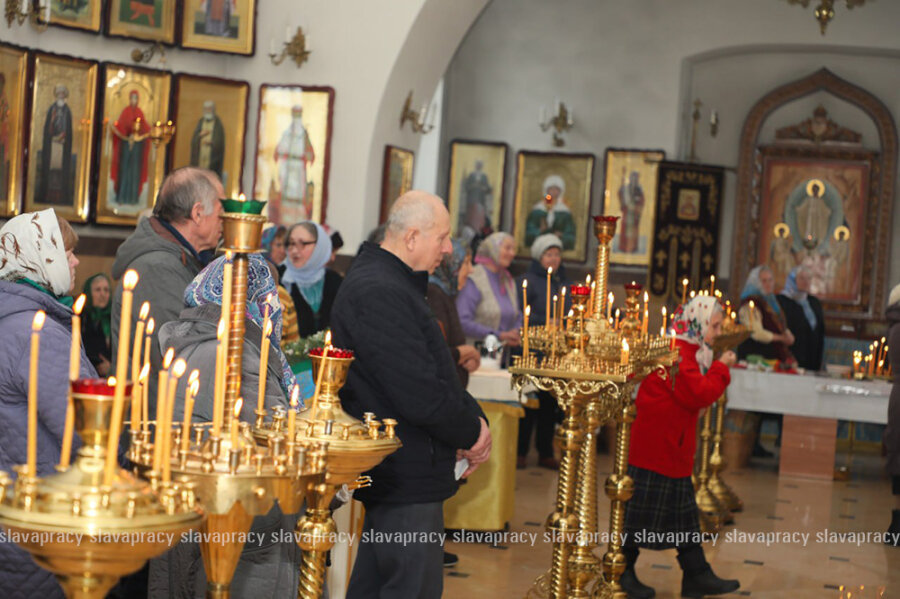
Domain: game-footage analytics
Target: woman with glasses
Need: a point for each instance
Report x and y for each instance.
(312, 286)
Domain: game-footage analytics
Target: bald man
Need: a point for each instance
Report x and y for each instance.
(404, 370)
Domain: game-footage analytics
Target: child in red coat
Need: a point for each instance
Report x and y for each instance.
(662, 513)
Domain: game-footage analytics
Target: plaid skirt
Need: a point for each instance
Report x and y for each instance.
(661, 511)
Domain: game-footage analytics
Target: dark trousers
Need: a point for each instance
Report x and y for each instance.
(544, 419)
(690, 557)
(388, 568)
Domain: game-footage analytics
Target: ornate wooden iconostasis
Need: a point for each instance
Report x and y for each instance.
(820, 195)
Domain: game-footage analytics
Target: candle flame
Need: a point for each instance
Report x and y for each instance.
(295, 395)
(145, 372)
(752, 305)
(571, 313)
(611, 297)
(220, 331)
(712, 278)
(328, 338)
(883, 339)
(145, 311)
(684, 282)
(242, 197)
(525, 284)
(646, 297)
(270, 298)
(111, 381)
(194, 388)
(563, 292)
(549, 270)
(38, 323)
(625, 346)
(131, 280)
(167, 359)
(527, 310)
(268, 330)
(618, 312)
(237, 407)
(229, 256)
(693, 294)
(587, 280)
(555, 297)
(79, 304)
(179, 367)
(151, 324)
(664, 315)
(194, 376)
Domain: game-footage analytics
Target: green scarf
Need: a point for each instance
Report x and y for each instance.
(93, 313)
(65, 300)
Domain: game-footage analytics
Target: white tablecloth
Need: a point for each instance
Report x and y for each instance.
(808, 395)
(492, 384)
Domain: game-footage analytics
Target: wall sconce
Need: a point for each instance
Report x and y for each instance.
(38, 13)
(293, 47)
(714, 123)
(147, 54)
(561, 122)
(417, 119)
(713, 127)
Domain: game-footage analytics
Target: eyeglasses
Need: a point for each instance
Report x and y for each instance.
(291, 244)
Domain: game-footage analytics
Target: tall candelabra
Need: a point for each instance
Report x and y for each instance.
(122, 522)
(591, 368)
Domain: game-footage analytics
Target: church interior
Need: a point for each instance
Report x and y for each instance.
(669, 153)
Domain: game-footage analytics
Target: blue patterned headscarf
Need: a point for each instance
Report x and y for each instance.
(206, 288)
(754, 287)
(446, 275)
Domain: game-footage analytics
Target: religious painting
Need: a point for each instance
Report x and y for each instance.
(76, 14)
(152, 20)
(396, 179)
(475, 187)
(131, 166)
(813, 212)
(13, 68)
(553, 195)
(219, 25)
(61, 141)
(629, 192)
(685, 241)
(293, 149)
(210, 117)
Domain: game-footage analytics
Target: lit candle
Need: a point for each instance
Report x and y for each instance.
(193, 388)
(593, 295)
(684, 285)
(549, 273)
(65, 455)
(161, 386)
(234, 421)
(562, 303)
(662, 329)
(555, 301)
(752, 312)
(264, 357)
(219, 382)
(145, 388)
(646, 322)
(315, 399)
(873, 351)
(624, 360)
(129, 282)
(712, 284)
(672, 342)
(242, 197)
(36, 325)
(693, 294)
(136, 362)
(618, 314)
(292, 414)
(524, 294)
(610, 299)
(178, 369)
(525, 333)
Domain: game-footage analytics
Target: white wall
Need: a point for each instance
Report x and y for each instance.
(371, 51)
(631, 70)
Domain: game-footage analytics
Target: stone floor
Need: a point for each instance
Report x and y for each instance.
(827, 567)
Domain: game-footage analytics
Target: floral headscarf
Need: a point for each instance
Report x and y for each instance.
(31, 247)
(206, 288)
(446, 275)
(489, 252)
(691, 323)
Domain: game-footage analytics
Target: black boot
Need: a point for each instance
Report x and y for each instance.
(698, 579)
(893, 531)
(633, 587)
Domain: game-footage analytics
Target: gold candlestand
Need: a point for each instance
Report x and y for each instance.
(717, 486)
(233, 477)
(713, 513)
(351, 447)
(121, 525)
(592, 371)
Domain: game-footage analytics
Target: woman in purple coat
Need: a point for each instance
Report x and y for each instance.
(37, 272)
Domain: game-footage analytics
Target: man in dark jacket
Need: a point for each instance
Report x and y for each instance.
(404, 371)
(168, 250)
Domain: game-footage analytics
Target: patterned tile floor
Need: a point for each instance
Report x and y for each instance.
(836, 562)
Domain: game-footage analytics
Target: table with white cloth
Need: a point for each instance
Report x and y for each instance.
(811, 405)
(486, 501)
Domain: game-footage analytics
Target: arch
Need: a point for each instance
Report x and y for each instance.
(746, 218)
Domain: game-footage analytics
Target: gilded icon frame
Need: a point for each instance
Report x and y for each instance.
(486, 184)
(13, 126)
(91, 21)
(163, 10)
(396, 177)
(244, 39)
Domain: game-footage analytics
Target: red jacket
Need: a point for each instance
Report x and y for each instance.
(664, 434)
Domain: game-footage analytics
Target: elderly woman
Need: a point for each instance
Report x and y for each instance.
(892, 432)
(661, 456)
(769, 333)
(312, 286)
(97, 321)
(488, 303)
(805, 319)
(37, 271)
(546, 252)
(270, 569)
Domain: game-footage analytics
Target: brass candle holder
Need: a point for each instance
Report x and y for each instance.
(233, 477)
(351, 447)
(122, 525)
(592, 375)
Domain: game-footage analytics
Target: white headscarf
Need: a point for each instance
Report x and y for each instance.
(691, 323)
(314, 270)
(31, 247)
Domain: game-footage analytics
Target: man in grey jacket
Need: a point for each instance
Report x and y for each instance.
(167, 250)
